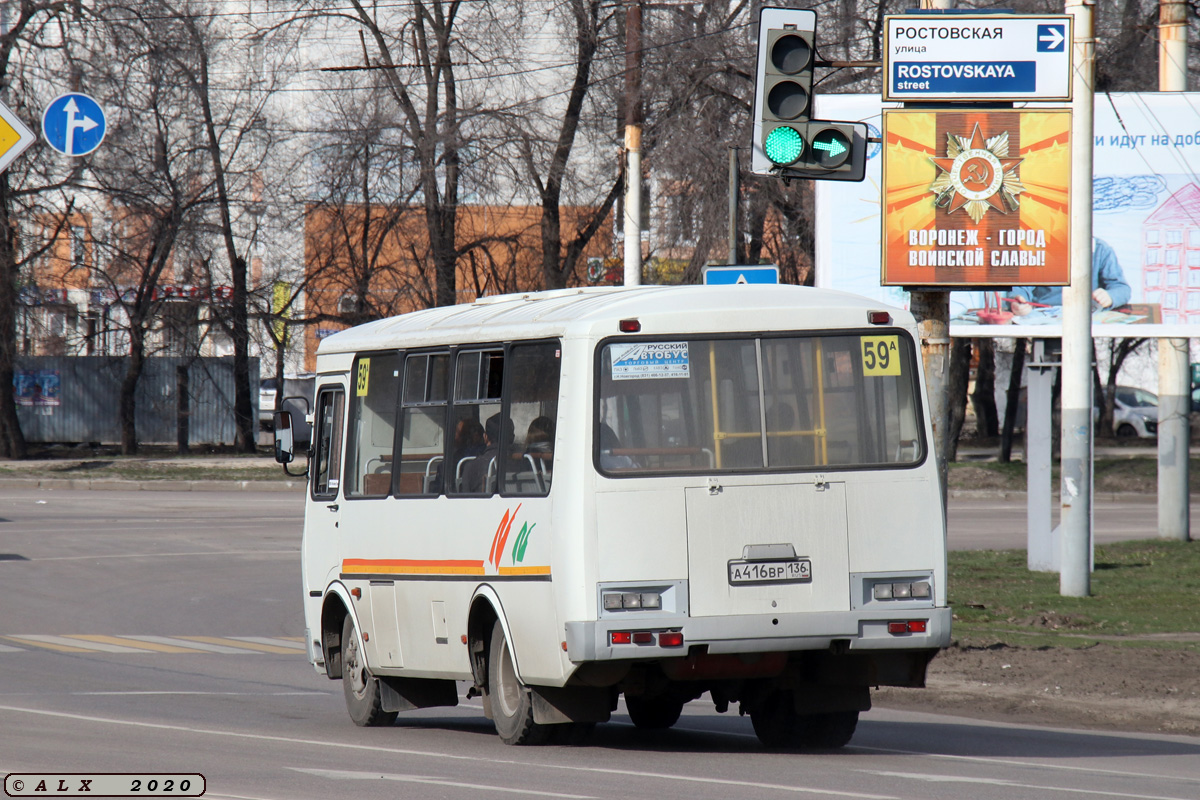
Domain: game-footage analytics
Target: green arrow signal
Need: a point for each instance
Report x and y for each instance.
(833, 147)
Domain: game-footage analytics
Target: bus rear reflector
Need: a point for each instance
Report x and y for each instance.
(620, 637)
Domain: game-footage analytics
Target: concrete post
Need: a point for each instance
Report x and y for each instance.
(1174, 375)
(1076, 460)
(1174, 405)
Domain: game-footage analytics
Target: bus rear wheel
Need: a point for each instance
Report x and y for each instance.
(512, 704)
(831, 730)
(775, 721)
(653, 713)
(361, 688)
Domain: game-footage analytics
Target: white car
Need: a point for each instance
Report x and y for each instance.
(1135, 413)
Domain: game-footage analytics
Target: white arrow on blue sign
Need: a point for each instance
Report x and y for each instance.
(73, 124)
(731, 275)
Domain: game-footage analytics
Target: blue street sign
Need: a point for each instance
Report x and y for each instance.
(1051, 38)
(73, 124)
(728, 276)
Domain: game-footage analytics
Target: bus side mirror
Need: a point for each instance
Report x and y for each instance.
(285, 448)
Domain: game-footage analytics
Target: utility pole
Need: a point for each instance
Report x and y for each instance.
(932, 312)
(733, 204)
(633, 143)
(1174, 376)
(1076, 460)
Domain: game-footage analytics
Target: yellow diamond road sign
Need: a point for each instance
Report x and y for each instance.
(14, 136)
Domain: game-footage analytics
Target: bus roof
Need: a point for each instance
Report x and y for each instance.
(595, 311)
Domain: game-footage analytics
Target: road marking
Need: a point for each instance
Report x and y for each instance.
(191, 643)
(143, 645)
(125, 641)
(205, 694)
(76, 718)
(1010, 762)
(262, 648)
(169, 555)
(343, 775)
(1014, 784)
(288, 643)
(76, 645)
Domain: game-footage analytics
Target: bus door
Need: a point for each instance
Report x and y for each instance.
(321, 554)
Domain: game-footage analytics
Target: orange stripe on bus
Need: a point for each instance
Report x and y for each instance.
(524, 570)
(412, 567)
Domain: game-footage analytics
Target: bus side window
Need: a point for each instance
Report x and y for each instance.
(528, 457)
(422, 424)
(478, 379)
(329, 443)
(372, 433)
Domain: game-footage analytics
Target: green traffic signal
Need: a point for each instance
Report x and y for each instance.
(784, 145)
(831, 148)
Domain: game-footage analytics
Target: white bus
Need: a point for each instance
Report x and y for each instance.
(657, 492)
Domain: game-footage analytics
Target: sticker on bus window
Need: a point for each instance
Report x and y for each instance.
(364, 376)
(881, 355)
(649, 360)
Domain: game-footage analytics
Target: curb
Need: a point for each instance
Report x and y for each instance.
(1009, 494)
(112, 484)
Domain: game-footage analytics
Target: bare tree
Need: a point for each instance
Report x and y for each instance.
(546, 129)
(152, 175)
(1115, 353)
(28, 189)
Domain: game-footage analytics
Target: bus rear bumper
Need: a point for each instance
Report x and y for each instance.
(846, 630)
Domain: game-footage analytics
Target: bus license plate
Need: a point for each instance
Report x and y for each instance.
(796, 570)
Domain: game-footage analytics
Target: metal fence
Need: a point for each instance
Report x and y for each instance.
(76, 399)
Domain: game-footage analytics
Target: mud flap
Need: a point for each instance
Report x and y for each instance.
(406, 694)
(553, 705)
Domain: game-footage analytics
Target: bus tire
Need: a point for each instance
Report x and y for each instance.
(653, 713)
(361, 688)
(511, 701)
(775, 721)
(831, 730)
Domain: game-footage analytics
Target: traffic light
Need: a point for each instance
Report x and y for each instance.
(788, 143)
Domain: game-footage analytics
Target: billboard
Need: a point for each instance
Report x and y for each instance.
(1145, 216)
(976, 197)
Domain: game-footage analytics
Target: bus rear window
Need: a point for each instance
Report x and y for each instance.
(758, 404)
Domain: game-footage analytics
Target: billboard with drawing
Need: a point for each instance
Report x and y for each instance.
(1146, 224)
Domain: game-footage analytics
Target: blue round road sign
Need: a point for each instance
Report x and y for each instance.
(73, 124)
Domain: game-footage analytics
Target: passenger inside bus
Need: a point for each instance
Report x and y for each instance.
(608, 443)
(479, 475)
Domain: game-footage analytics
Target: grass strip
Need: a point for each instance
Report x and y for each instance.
(1141, 591)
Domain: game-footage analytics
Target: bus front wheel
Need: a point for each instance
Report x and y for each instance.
(363, 698)
(512, 704)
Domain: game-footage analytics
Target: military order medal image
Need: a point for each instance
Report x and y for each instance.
(977, 175)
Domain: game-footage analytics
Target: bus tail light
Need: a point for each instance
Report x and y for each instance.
(619, 601)
(643, 637)
(629, 326)
(879, 317)
(908, 626)
(670, 639)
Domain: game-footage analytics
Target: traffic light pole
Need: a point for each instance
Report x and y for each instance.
(633, 143)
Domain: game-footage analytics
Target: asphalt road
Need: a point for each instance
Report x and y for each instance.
(159, 632)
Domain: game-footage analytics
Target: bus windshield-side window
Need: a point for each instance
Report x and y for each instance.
(372, 432)
(422, 423)
(755, 404)
(478, 380)
(533, 377)
(328, 455)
